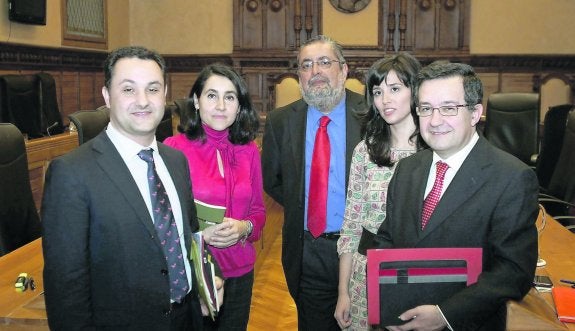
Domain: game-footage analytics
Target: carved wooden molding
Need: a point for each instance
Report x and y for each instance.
(22, 57)
(264, 68)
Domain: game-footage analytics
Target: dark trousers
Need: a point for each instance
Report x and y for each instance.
(186, 316)
(317, 295)
(235, 311)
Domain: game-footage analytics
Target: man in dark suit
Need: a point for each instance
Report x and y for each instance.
(488, 199)
(310, 261)
(105, 267)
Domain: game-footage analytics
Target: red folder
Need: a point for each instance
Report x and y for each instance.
(394, 273)
(564, 298)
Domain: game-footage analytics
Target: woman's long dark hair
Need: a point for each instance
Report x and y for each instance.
(244, 128)
(375, 130)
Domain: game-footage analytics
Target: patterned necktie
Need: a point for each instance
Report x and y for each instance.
(433, 197)
(166, 229)
(317, 203)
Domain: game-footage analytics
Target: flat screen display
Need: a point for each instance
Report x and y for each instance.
(27, 11)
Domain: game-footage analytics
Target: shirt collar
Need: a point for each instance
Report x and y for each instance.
(127, 148)
(337, 115)
(456, 160)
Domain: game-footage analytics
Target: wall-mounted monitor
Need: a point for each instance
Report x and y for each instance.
(27, 11)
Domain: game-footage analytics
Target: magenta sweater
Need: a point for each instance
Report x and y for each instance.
(241, 190)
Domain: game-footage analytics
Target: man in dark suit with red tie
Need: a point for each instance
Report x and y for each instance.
(114, 258)
(307, 149)
(483, 196)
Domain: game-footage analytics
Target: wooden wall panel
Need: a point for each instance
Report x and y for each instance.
(86, 90)
(490, 85)
(517, 82)
(276, 24)
(79, 81)
(449, 29)
(249, 34)
(423, 37)
(180, 85)
(70, 92)
(98, 83)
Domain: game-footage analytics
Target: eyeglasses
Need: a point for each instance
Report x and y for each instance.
(424, 111)
(323, 63)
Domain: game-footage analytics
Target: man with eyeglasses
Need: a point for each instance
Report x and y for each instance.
(307, 149)
(487, 199)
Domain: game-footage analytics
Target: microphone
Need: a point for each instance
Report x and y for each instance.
(51, 127)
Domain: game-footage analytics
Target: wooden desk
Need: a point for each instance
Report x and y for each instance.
(40, 152)
(22, 310)
(537, 310)
(25, 311)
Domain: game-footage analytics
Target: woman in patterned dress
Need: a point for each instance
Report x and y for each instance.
(391, 132)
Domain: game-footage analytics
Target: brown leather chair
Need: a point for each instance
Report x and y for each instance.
(554, 126)
(512, 124)
(20, 103)
(19, 220)
(183, 109)
(89, 123)
(559, 198)
(165, 128)
(50, 113)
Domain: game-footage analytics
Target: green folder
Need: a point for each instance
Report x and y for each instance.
(209, 214)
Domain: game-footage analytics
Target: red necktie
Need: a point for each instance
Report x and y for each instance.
(317, 203)
(434, 195)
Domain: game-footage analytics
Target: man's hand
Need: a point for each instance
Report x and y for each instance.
(220, 288)
(421, 318)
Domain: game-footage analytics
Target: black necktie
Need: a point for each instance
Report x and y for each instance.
(167, 231)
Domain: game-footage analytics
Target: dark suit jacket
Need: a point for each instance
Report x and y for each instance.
(283, 162)
(491, 203)
(104, 266)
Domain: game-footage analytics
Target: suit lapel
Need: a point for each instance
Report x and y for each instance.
(353, 105)
(419, 177)
(297, 122)
(113, 165)
(468, 180)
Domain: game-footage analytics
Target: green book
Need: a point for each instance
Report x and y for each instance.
(209, 214)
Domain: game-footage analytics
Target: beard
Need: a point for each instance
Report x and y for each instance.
(323, 96)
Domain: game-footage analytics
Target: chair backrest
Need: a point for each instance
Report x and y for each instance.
(89, 123)
(554, 126)
(182, 111)
(562, 183)
(20, 103)
(512, 123)
(165, 129)
(19, 220)
(51, 117)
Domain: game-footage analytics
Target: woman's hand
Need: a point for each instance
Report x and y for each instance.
(342, 311)
(225, 234)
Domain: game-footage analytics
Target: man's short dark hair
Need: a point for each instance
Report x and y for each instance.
(472, 85)
(138, 52)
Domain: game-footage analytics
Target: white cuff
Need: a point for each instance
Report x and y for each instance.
(445, 319)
